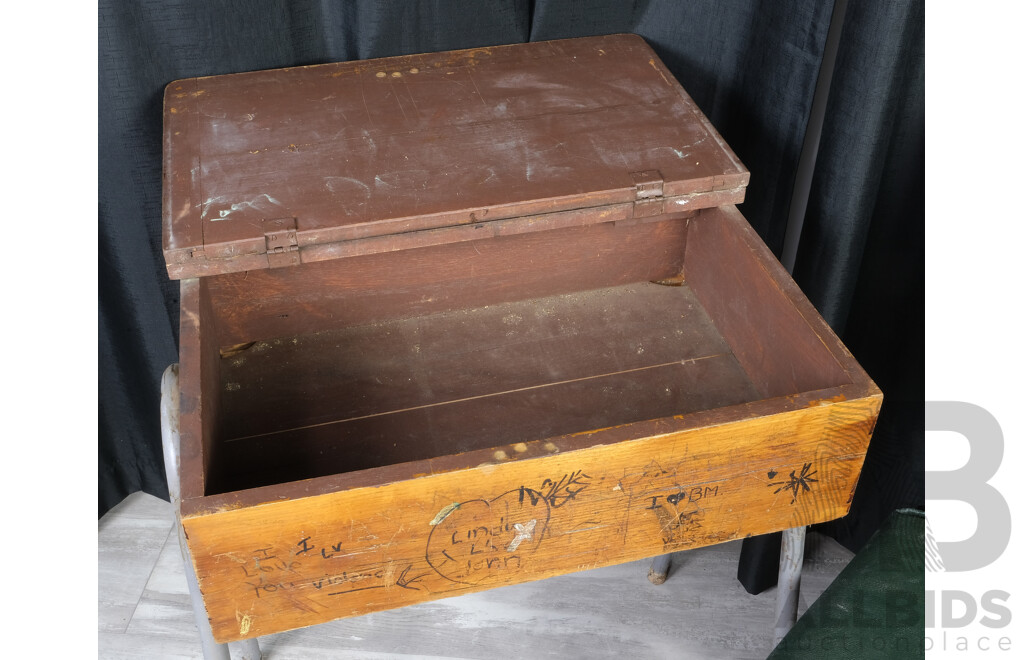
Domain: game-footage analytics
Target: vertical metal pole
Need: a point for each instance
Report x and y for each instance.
(791, 562)
(812, 138)
(171, 439)
(659, 569)
(211, 649)
(248, 649)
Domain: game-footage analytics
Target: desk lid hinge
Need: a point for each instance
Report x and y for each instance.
(282, 239)
(650, 190)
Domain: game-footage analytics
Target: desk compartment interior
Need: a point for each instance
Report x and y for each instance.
(412, 355)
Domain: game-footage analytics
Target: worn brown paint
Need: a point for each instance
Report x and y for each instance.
(519, 132)
(759, 315)
(281, 302)
(542, 340)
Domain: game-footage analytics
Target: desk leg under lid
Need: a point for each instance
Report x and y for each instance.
(790, 565)
(248, 649)
(791, 562)
(659, 569)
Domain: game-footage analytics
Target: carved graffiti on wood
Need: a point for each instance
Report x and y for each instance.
(481, 540)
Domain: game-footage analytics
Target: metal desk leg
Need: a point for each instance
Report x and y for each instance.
(169, 418)
(791, 563)
(248, 649)
(659, 569)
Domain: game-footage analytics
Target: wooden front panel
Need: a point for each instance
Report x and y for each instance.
(286, 564)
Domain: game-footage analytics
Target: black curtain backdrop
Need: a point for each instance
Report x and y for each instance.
(751, 66)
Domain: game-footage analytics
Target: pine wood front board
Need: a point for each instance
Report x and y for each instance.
(283, 565)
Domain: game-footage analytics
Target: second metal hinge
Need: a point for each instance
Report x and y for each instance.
(650, 190)
(282, 242)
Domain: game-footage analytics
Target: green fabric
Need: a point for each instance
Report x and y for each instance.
(875, 608)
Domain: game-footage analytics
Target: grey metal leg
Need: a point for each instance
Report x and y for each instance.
(247, 649)
(169, 418)
(659, 569)
(211, 649)
(791, 562)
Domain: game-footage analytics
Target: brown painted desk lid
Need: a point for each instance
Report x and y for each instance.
(273, 168)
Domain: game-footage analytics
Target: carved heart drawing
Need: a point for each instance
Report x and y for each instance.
(480, 541)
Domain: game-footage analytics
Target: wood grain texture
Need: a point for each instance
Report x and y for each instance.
(198, 371)
(287, 302)
(293, 563)
(570, 616)
(776, 334)
(419, 388)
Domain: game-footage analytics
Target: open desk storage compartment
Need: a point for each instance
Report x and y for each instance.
(461, 320)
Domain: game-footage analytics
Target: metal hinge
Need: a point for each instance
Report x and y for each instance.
(650, 190)
(282, 242)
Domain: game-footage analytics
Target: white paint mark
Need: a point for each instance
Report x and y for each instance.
(444, 513)
(259, 203)
(523, 533)
(210, 202)
(679, 154)
(412, 178)
(336, 183)
(185, 208)
(244, 623)
(369, 142)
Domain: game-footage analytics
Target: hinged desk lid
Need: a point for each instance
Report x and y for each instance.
(274, 168)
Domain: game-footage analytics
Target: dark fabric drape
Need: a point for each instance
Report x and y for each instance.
(861, 256)
(142, 47)
(751, 67)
